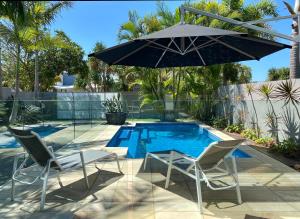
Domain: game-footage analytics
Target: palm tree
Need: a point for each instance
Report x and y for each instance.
(42, 13)
(132, 29)
(294, 54)
(14, 20)
(275, 74)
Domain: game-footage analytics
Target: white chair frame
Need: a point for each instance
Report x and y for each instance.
(200, 174)
(45, 170)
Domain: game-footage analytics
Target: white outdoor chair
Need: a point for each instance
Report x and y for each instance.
(46, 160)
(198, 168)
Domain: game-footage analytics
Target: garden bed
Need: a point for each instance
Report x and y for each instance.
(291, 162)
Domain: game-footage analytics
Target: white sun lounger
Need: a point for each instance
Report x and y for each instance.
(45, 160)
(198, 168)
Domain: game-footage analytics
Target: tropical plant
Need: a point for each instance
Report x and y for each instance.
(250, 89)
(272, 123)
(114, 105)
(294, 53)
(41, 14)
(266, 141)
(154, 85)
(288, 147)
(99, 75)
(235, 128)
(126, 77)
(220, 122)
(131, 29)
(13, 26)
(267, 90)
(67, 56)
(250, 134)
(275, 74)
(287, 92)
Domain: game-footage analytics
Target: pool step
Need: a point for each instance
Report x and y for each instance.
(145, 134)
(125, 134)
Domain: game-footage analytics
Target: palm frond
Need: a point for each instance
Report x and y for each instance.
(289, 8)
(287, 92)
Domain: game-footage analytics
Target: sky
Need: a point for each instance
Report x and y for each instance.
(88, 22)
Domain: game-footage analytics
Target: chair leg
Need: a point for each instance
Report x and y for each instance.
(118, 163)
(84, 170)
(59, 181)
(12, 197)
(169, 171)
(145, 161)
(198, 186)
(45, 182)
(85, 177)
(236, 179)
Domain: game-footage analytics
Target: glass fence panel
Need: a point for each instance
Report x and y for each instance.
(75, 121)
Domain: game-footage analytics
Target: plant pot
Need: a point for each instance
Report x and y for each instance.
(168, 116)
(116, 118)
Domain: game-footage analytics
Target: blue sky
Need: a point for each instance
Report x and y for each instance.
(89, 22)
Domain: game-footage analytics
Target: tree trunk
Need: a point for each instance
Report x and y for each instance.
(36, 75)
(14, 111)
(294, 61)
(294, 54)
(256, 117)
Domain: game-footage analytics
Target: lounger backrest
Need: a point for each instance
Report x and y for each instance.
(34, 146)
(216, 151)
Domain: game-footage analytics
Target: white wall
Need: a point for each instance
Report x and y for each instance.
(240, 102)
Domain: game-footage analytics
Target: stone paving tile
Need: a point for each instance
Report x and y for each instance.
(269, 189)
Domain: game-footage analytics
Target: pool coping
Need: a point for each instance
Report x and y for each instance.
(212, 130)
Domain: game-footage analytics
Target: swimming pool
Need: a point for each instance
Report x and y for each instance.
(188, 138)
(8, 141)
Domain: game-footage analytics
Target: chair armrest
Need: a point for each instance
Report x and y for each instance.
(182, 155)
(67, 155)
(20, 154)
(16, 160)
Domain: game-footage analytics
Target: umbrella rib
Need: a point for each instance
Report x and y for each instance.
(164, 52)
(164, 47)
(233, 48)
(132, 52)
(204, 44)
(190, 44)
(180, 52)
(200, 56)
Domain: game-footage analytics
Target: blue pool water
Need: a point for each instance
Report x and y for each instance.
(8, 141)
(188, 138)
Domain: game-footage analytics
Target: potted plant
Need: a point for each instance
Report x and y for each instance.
(115, 111)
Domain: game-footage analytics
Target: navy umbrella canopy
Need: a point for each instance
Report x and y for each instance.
(188, 45)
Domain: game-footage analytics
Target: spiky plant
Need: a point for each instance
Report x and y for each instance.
(267, 91)
(287, 92)
(250, 90)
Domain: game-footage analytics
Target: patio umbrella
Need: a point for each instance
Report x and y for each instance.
(189, 45)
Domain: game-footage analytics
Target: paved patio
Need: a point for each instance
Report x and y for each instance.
(269, 190)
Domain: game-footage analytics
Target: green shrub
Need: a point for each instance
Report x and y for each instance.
(250, 134)
(220, 122)
(266, 141)
(203, 111)
(236, 128)
(288, 147)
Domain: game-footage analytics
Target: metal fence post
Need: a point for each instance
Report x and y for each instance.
(73, 106)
